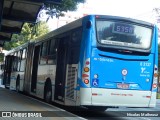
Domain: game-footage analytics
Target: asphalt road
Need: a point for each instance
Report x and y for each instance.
(138, 113)
(124, 113)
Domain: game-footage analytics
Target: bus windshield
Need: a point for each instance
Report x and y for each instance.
(123, 34)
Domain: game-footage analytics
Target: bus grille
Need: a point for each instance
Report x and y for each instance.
(71, 77)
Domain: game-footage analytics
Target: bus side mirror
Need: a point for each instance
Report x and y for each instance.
(88, 24)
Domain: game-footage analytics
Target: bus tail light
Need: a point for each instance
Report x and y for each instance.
(155, 78)
(86, 72)
(86, 81)
(84, 75)
(86, 69)
(87, 62)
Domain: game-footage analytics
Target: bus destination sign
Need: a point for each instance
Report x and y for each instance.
(122, 28)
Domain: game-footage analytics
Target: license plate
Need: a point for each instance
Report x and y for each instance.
(122, 86)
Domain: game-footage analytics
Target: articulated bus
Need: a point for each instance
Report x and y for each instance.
(14, 67)
(96, 62)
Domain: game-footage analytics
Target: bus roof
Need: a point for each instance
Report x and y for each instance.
(124, 19)
(17, 48)
(65, 28)
(78, 23)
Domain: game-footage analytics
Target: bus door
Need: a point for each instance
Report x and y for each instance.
(35, 68)
(8, 70)
(61, 69)
(28, 68)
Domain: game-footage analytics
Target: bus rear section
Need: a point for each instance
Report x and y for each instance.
(123, 64)
(122, 80)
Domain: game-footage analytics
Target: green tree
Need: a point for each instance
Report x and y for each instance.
(29, 32)
(57, 10)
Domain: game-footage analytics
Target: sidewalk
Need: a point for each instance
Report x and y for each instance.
(18, 104)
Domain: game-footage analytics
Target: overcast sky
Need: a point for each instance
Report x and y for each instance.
(126, 8)
(139, 9)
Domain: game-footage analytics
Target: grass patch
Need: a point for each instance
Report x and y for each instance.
(158, 95)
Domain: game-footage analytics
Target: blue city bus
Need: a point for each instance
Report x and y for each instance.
(123, 62)
(120, 62)
(97, 61)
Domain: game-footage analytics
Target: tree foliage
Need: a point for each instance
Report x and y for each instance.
(29, 32)
(57, 10)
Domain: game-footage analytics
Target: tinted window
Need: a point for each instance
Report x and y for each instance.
(75, 46)
(44, 53)
(24, 53)
(123, 34)
(44, 49)
(52, 52)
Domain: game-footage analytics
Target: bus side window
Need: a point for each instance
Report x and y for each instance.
(15, 62)
(19, 59)
(75, 46)
(24, 53)
(22, 66)
(44, 51)
(52, 52)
